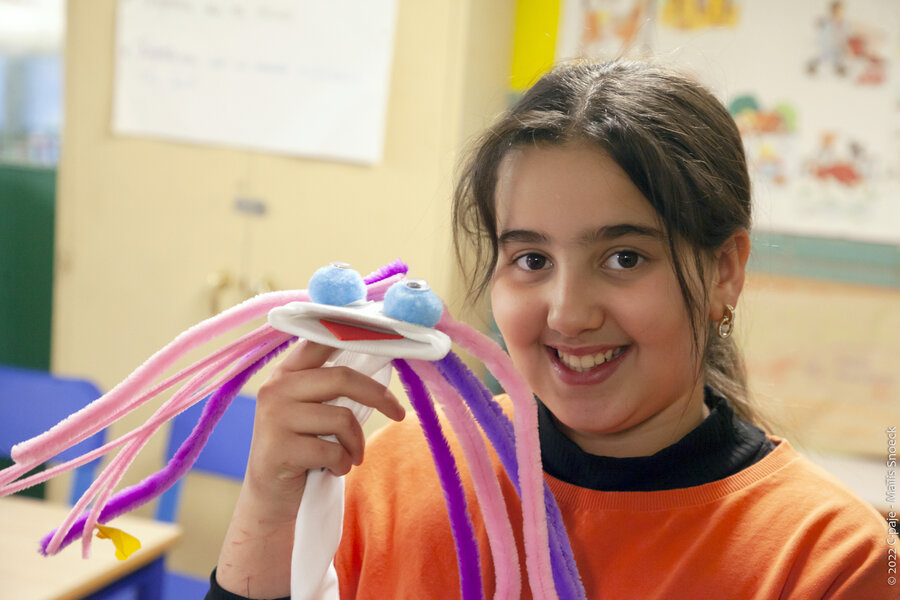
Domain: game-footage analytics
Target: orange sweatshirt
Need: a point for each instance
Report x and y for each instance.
(781, 528)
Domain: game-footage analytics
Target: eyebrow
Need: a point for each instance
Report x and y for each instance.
(600, 234)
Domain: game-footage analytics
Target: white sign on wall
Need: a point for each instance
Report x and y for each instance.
(297, 77)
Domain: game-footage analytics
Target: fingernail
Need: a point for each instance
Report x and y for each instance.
(398, 411)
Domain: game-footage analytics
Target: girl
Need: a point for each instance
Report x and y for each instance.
(609, 210)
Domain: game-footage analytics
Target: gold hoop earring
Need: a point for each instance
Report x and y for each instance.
(726, 325)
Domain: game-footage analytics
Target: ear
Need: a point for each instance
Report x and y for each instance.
(730, 265)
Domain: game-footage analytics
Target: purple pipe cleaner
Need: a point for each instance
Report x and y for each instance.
(460, 524)
(499, 430)
(395, 268)
(139, 494)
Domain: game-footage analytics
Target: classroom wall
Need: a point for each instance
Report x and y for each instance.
(144, 226)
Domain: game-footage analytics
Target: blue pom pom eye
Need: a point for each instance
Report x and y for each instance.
(411, 300)
(336, 285)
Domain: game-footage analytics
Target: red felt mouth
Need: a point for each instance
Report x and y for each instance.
(348, 333)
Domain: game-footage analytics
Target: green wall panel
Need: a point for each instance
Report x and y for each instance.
(823, 258)
(27, 208)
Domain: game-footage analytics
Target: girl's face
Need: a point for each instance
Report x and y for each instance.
(587, 301)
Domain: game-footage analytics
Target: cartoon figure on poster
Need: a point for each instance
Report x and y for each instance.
(697, 14)
(381, 322)
(767, 134)
(615, 28)
(847, 50)
(844, 164)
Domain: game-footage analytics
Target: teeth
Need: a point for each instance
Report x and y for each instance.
(588, 361)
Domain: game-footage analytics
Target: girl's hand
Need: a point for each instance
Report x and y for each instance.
(290, 416)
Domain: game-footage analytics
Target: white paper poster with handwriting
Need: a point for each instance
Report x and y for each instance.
(297, 77)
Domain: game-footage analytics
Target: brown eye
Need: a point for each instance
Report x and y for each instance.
(624, 260)
(532, 262)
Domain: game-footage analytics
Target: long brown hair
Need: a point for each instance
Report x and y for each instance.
(681, 149)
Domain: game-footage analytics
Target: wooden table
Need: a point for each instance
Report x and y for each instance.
(27, 575)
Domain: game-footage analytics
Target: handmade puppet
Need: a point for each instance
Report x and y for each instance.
(379, 322)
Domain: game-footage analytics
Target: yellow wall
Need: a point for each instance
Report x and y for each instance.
(142, 224)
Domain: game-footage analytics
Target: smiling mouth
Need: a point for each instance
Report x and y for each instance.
(580, 364)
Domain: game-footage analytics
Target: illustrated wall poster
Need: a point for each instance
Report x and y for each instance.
(814, 86)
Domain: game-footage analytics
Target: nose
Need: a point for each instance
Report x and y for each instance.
(574, 306)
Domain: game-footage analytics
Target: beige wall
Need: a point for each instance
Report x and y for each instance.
(142, 224)
(822, 356)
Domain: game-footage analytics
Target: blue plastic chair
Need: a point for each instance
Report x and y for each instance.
(224, 455)
(33, 401)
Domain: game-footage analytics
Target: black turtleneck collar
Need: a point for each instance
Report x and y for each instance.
(722, 445)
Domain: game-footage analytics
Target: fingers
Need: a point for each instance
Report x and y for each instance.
(328, 383)
(302, 378)
(300, 453)
(324, 420)
(335, 457)
(307, 355)
(293, 414)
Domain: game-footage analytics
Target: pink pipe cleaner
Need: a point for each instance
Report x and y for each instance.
(113, 473)
(116, 402)
(528, 452)
(508, 582)
(129, 453)
(223, 357)
(109, 407)
(130, 498)
(102, 480)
